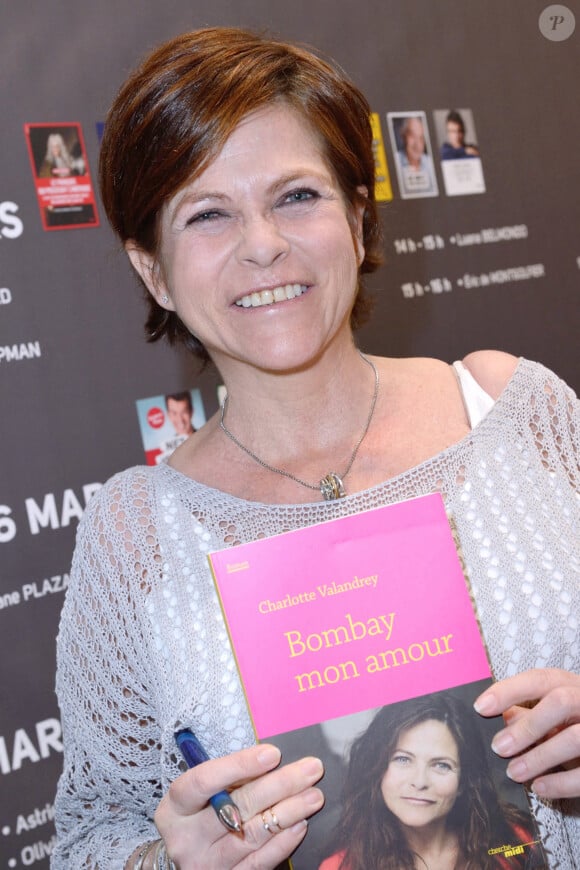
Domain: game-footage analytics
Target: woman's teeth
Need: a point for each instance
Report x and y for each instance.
(268, 297)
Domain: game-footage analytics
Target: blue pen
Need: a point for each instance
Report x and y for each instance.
(194, 754)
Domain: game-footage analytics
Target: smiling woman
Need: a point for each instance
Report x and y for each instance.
(175, 116)
(421, 782)
(238, 172)
(419, 794)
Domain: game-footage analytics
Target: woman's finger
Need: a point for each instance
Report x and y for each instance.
(191, 791)
(274, 809)
(563, 784)
(557, 712)
(525, 688)
(269, 832)
(276, 849)
(281, 816)
(258, 795)
(189, 826)
(562, 748)
(544, 737)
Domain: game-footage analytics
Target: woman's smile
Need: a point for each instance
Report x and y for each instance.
(418, 801)
(282, 293)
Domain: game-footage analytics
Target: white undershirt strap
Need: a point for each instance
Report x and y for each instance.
(477, 402)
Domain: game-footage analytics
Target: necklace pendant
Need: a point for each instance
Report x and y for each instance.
(332, 487)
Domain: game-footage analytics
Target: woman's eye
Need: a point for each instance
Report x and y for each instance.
(400, 759)
(204, 217)
(443, 766)
(303, 194)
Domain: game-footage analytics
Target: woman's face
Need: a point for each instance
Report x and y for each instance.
(259, 254)
(56, 146)
(421, 782)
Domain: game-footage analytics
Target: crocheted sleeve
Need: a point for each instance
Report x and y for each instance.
(110, 785)
(563, 432)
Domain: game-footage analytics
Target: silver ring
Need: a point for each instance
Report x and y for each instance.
(272, 825)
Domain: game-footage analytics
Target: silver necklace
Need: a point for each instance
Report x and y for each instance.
(332, 484)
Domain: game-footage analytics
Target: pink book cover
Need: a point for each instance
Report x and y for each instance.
(331, 622)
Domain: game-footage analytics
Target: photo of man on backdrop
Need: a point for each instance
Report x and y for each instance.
(413, 155)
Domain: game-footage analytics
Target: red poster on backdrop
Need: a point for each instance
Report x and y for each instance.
(61, 175)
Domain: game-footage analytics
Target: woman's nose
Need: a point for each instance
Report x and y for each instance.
(420, 778)
(261, 242)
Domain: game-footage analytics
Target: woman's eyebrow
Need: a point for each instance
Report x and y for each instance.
(199, 195)
(193, 197)
(295, 175)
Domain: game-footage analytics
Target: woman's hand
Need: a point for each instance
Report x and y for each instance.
(543, 740)
(195, 838)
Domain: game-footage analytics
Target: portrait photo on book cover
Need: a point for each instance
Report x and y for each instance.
(166, 421)
(415, 784)
(60, 169)
(411, 145)
(459, 152)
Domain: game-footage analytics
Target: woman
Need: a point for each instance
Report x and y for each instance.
(419, 794)
(238, 172)
(58, 160)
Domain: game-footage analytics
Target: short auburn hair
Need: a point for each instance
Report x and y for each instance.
(175, 112)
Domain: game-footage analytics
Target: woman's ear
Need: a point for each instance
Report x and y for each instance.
(358, 212)
(148, 270)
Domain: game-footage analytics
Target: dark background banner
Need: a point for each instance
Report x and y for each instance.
(495, 268)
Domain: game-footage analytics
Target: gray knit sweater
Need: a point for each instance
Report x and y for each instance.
(142, 647)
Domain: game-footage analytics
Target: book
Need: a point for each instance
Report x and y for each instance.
(333, 623)
(166, 421)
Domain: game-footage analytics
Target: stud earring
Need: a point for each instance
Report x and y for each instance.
(165, 299)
